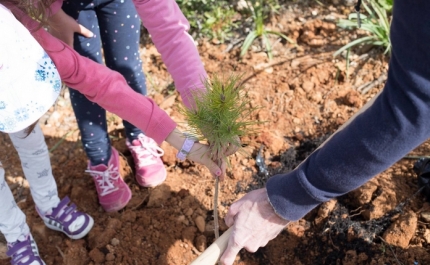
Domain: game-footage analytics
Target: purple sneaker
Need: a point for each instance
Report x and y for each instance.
(113, 192)
(150, 170)
(68, 220)
(24, 252)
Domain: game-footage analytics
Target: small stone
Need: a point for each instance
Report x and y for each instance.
(201, 243)
(114, 242)
(189, 233)
(189, 212)
(401, 230)
(330, 18)
(200, 223)
(426, 236)
(97, 256)
(308, 86)
(110, 257)
(425, 216)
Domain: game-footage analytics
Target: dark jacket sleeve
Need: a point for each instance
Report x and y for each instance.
(389, 127)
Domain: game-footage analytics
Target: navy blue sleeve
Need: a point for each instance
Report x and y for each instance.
(389, 127)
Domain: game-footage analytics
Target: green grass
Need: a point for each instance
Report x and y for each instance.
(219, 23)
(376, 23)
(210, 19)
(260, 10)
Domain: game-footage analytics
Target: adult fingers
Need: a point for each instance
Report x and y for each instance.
(251, 248)
(231, 213)
(231, 251)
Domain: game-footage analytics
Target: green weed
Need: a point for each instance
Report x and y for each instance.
(260, 11)
(208, 18)
(219, 23)
(377, 23)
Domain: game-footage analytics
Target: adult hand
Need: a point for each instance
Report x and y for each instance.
(254, 223)
(63, 27)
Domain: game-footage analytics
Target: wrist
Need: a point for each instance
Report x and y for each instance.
(186, 147)
(177, 139)
(269, 203)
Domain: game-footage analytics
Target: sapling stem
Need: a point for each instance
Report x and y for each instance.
(216, 223)
(222, 114)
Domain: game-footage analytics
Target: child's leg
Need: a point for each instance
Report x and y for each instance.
(21, 247)
(36, 164)
(91, 118)
(112, 191)
(12, 219)
(120, 33)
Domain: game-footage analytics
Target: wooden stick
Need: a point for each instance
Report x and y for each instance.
(211, 255)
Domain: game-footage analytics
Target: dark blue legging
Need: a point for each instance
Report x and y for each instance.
(116, 26)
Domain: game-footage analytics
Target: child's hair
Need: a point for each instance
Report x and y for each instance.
(37, 9)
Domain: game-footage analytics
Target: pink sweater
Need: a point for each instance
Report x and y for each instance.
(169, 31)
(99, 84)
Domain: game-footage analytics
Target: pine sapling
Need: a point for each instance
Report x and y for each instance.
(221, 115)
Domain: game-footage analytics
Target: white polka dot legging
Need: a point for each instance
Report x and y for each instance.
(116, 28)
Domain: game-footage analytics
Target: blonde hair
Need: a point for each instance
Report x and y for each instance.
(37, 9)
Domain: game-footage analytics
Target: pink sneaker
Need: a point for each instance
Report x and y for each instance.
(150, 170)
(113, 192)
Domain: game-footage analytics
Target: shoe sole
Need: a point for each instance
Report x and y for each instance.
(37, 250)
(153, 184)
(78, 236)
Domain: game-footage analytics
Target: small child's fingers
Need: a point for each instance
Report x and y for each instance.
(223, 168)
(231, 149)
(85, 32)
(216, 170)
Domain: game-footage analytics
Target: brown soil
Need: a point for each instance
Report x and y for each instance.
(305, 95)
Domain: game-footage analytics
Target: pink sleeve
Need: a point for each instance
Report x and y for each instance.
(169, 31)
(99, 84)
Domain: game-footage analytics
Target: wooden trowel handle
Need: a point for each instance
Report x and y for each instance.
(211, 255)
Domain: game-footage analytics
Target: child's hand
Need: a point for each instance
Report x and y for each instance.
(63, 27)
(200, 153)
(232, 147)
